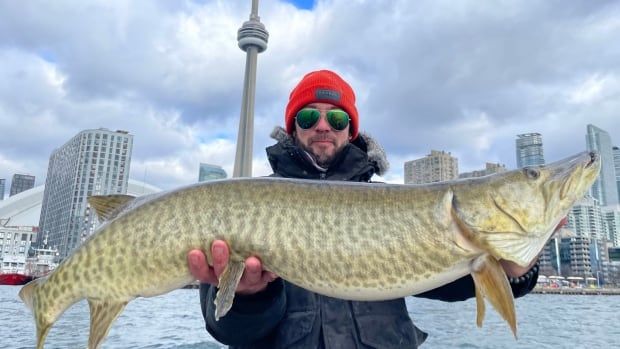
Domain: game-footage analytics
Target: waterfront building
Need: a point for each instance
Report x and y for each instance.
(570, 255)
(586, 219)
(209, 172)
(437, 166)
(2, 186)
(529, 150)
(614, 265)
(599, 256)
(94, 162)
(21, 182)
(566, 254)
(14, 245)
(605, 188)
(490, 168)
(547, 264)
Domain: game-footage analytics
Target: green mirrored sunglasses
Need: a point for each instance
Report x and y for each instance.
(308, 117)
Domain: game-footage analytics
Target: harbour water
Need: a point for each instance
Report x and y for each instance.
(174, 321)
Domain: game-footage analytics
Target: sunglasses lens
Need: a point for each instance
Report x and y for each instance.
(338, 119)
(306, 118)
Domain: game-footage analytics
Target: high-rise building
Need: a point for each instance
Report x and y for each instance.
(529, 150)
(490, 168)
(208, 172)
(94, 162)
(2, 186)
(21, 182)
(604, 189)
(437, 166)
(616, 153)
(586, 219)
(611, 216)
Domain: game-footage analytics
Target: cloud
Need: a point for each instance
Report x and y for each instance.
(463, 77)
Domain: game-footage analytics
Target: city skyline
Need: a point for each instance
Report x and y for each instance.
(172, 76)
(474, 168)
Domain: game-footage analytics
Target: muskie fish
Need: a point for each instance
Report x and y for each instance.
(356, 241)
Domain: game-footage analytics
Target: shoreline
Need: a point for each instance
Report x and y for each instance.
(577, 291)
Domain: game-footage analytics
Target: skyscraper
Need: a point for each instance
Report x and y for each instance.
(604, 189)
(616, 152)
(2, 186)
(529, 149)
(21, 182)
(94, 162)
(437, 166)
(208, 172)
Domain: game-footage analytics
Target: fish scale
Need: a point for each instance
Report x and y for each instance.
(355, 241)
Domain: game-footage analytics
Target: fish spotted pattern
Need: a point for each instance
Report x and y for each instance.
(355, 241)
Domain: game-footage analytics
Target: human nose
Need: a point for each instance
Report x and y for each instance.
(322, 125)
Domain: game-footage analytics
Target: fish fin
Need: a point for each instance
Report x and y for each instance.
(444, 208)
(480, 308)
(28, 295)
(491, 282)
(102, 315)
(108, 206)
(229, 279)
(42, 332)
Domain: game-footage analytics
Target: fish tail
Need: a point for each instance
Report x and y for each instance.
(27, 292)
(30, 295)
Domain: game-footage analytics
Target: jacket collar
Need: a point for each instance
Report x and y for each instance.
(363, 157)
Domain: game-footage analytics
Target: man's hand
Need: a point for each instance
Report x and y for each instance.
(253, 280)
(514, 270)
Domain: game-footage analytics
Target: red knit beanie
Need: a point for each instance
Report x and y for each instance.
(322, 86)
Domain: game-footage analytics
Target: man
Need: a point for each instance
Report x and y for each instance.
(321, 141)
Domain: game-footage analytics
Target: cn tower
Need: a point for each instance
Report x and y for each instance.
(252, 38)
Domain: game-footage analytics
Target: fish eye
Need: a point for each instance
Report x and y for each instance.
(532, 173)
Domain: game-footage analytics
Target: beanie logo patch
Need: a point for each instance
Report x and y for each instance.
(327, 94)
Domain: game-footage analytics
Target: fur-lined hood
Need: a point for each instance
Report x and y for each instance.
(364, 141)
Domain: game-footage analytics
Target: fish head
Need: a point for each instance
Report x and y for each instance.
(512, 215)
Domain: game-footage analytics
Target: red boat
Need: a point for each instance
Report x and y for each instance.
(14, 279)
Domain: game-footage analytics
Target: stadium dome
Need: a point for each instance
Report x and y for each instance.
(24, 209)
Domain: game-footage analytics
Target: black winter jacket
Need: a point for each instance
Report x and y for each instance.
(286, 316)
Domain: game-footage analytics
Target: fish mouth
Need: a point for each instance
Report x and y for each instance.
(594, 158)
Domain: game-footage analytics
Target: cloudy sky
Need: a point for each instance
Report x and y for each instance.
(460, 76)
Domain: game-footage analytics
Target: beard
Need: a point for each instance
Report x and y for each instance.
(323, 156)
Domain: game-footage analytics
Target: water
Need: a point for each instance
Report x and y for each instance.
(174, 321)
